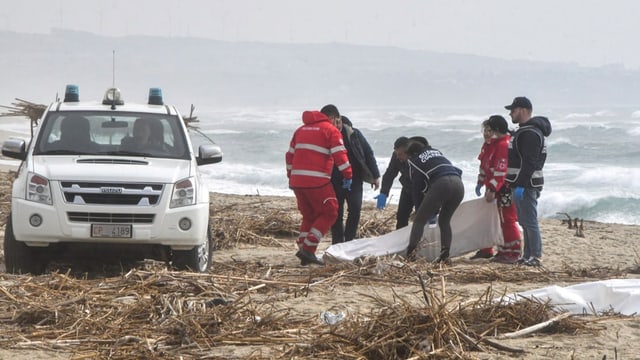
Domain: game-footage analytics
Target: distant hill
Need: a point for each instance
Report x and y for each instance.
(217, 73)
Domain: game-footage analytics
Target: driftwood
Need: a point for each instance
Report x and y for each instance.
(534, 328)
(572, 223)
(567, 220)
(579, 229)
(25, 108)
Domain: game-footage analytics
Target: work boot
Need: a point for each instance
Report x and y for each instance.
(503, 258)
(444, 257)
(481, 254)
(307, 257)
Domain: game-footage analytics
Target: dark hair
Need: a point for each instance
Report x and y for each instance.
(498, 123)
(422, 140)
(345, 120)
(401, 141)
(330, 110)
(416, 147)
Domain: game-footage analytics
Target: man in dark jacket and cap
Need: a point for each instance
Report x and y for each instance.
(365, 169)
(527, 155)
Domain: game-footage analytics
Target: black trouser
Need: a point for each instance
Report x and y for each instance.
(405, 207)
(444, 195)
(345, 232)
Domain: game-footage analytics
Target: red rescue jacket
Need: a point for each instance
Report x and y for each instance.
(493, 163)
(313, 150)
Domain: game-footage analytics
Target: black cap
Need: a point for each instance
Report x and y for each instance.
(520, 102)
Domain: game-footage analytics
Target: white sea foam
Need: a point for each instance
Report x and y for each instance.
(578, 115)
(592, 169)
(634, 131)
(589, 176)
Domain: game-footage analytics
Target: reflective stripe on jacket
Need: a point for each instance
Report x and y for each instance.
(493, 163)
(528, 153)
(315, 147)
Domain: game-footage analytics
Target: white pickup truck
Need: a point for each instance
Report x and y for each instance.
(109, 177)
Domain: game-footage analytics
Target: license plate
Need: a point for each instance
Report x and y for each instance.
(111, 230)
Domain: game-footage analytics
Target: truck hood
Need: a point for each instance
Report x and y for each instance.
(116, 169)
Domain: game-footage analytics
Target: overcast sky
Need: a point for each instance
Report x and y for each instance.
(587, 32)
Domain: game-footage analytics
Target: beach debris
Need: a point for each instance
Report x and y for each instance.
(567, 220)
(534, 328)
(29, 109)
(262, 221)
(579, 229)
(176, 313)
(189, 120)
(331, 317)
(572, 223)
(147, 311)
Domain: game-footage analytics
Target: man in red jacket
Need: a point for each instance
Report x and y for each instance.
(314, 149)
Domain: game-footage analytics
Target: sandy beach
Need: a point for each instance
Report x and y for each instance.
(254, 265)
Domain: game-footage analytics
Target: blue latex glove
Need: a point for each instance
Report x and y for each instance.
(518, 192)
(478, 187)
(346, 184)
(382, 200)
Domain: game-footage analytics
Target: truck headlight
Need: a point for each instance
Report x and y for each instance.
(184, 193)
(38, 189)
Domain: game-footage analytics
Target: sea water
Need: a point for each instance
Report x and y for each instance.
(592, 169)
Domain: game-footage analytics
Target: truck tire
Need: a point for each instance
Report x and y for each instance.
(197, 259)
(20, 258)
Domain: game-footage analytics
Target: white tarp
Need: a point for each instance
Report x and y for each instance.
(620, 295)
(475, 225)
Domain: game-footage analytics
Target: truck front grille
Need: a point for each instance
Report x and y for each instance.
(96, 193)
(91, 217)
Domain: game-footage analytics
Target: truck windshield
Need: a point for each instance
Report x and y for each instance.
(109, 133)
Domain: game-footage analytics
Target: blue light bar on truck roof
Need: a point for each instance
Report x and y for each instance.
(71, 93)
(155, 96)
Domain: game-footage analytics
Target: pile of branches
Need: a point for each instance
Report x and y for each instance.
(164, 314)
(261, 221)
(24, 108)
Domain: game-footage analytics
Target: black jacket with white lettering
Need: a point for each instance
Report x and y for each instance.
(425, 168)
(528, 153)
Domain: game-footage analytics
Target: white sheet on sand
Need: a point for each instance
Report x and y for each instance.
(619, 295)
(475, 225)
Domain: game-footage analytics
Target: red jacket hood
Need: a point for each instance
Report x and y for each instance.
(311, 117)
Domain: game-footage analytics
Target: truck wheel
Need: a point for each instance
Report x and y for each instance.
(20, 258)
(197, 259)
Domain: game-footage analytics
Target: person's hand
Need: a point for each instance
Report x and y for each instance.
(346, 184)
(518, 192)
(376, 185)
(489, 195)
(382, 200)
(478, 187)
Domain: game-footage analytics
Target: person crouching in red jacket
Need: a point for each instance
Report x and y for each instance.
(314, 149)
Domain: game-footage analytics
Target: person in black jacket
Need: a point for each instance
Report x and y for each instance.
(365, 169)
(399, 164)
(433, 175)
(527, 155)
